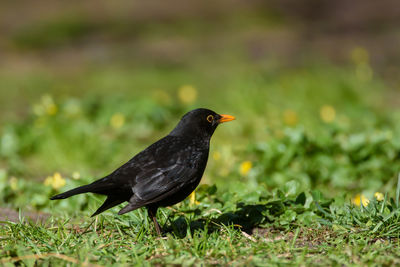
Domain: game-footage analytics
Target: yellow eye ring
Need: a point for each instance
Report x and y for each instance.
(210, 118)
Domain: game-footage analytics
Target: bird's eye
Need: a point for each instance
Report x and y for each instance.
(210, 118)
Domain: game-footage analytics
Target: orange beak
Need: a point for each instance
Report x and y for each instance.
(225, 118)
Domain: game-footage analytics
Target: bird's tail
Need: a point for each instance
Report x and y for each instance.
(99, 187)
(73, 192)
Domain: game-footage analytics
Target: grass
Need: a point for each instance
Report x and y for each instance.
(306, 176)
(281, 228)
(284, 182)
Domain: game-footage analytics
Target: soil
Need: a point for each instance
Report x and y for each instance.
(7, 214)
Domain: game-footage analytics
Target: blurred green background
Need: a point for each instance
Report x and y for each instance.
(314, 85)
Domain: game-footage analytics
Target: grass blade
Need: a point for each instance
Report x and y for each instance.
(398, 191)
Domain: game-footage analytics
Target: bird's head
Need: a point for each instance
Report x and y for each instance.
(200, 122)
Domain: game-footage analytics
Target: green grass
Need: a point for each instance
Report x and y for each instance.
(226, 228)
(293, 205)
(82, 90)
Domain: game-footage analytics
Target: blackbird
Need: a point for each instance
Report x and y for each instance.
(163, 174)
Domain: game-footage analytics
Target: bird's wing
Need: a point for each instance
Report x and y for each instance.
(162, 169)
(164, 183)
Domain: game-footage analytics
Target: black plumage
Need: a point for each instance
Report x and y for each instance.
(163, 174)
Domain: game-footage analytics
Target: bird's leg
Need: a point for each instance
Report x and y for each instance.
(152, 214)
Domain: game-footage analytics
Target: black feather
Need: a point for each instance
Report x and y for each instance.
(163, 174)
(110, 202)
(73, 192)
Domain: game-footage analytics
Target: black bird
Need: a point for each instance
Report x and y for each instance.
(163, 174)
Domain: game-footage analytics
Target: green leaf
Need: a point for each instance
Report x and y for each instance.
(288, 217)
(291, 188)
(301, 199)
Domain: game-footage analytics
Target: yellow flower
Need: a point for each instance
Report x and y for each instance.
(327, 113)
(290, 117)
(48, 181)
(14, 183)
(360, 199)
(46, 106)
(216, 155)
(187, 94)
(379, 196)
(76, 175)
(56, 181)
(245, 167)
(360, 55)
(360, 58)
(49, 105)
(192, 199)
(51, 109)
(117, 120)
